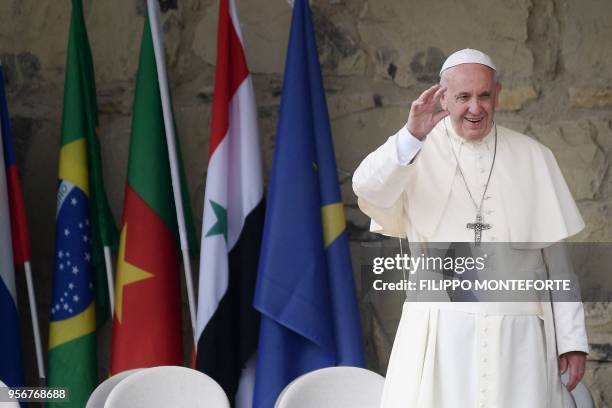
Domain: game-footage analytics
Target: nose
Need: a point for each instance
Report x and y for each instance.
(474, 106)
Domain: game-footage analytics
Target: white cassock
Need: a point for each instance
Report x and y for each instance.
(476, 354)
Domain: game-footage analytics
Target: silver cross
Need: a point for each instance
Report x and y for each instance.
(478, 226)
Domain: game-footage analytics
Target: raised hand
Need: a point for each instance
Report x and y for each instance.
(423, 116)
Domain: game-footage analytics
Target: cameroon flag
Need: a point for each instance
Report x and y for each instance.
(83, 224)
(147, 321)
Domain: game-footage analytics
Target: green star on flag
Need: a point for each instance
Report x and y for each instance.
(220, 226)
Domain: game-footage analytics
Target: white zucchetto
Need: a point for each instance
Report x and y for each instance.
(467, 56)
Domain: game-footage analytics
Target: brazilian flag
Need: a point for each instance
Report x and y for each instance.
(84, 225)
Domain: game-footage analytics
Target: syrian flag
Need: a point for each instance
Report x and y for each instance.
(227, 323)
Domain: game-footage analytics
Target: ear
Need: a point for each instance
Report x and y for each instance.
(498, 88)
(443, 102)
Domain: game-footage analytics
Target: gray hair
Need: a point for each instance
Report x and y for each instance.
(443, 76)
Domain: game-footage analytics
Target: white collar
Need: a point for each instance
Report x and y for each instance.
(486, 141)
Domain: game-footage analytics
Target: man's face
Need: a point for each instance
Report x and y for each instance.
(470, 98)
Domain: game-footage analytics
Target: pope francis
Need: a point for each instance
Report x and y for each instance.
(454, 175)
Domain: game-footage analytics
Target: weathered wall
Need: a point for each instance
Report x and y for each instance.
(555, 58)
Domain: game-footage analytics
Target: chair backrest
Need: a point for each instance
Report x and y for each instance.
(14, 404)
(167, 386)
(333, 387)
(97, 399)
(582, 396)
(568, 400)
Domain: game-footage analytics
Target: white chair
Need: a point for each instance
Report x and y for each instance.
(167, 386)
(583, 397)
(568, 400)
(100, 394)
(333, 387)
(581, 394)
(12, 404)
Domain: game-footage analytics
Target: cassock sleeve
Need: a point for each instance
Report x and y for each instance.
(568, 311)
(380, 180)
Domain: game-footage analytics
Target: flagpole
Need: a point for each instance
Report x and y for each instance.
(26, 265)
(109, 279)
(153, 10)
(35, 329)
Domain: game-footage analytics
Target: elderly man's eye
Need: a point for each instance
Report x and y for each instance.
(463, 98)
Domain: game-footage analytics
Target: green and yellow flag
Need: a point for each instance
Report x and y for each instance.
(84, 225)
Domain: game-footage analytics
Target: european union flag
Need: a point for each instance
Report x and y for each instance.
(305, 289)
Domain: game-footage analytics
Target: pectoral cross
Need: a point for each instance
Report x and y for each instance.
(478, 226)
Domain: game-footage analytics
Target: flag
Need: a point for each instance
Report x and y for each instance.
(305, 289)
(147, 321)
(11, 366)
(103, 229)
(19, 225)
(83, 224)
(227, 323)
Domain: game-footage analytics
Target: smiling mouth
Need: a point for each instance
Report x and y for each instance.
(474, 120)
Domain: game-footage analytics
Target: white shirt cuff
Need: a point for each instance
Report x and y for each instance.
(407, 146)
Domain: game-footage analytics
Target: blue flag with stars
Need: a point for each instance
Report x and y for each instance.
(72, 285)
(72, 329)
(305, 288)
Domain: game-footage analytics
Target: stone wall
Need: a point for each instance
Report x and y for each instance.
(555, 60)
